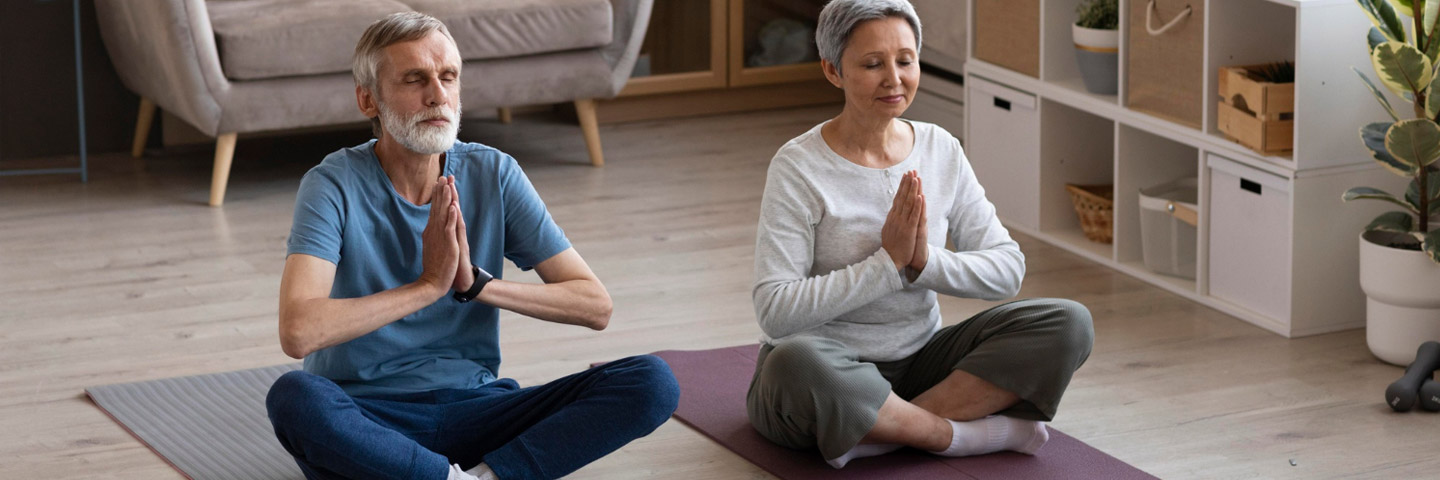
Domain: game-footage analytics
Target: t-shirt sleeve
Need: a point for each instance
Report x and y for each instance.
(319, 216)
(531, 236)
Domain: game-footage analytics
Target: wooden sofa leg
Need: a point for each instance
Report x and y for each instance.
(142, 126)
(504, 114)
(224, 152)
(585, 109)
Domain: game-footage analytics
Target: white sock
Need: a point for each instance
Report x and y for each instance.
(862, 451)
(993, 434)
(480, 472)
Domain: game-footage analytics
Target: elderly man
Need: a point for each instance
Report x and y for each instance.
(386, 295)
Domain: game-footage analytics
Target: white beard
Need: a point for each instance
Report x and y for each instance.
(418, 137)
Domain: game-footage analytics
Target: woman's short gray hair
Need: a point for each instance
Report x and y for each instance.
(839, 18)
(393, 29)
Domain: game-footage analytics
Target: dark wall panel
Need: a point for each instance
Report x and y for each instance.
(37, 83)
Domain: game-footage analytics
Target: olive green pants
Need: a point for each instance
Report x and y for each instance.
(811, 392)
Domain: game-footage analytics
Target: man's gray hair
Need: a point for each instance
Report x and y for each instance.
(839, 18)
(395, 28)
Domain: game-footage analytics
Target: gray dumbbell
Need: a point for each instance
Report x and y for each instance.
(1402, 394)
(1430, 395)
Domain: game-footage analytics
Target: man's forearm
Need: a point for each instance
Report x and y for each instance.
(574, 302)
(312, 324)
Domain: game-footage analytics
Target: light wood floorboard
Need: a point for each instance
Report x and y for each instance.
(131, 278)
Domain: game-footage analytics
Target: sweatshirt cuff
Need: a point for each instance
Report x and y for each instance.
(890, 277)
(933, 274)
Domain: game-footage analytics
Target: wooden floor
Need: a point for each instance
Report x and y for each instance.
(131, 277)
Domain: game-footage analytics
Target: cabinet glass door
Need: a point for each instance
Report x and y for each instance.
(684, 48)
(773, 41)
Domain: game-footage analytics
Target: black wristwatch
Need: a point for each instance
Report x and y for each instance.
(481, 278)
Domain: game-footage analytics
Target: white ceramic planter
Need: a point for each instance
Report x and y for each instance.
(1402, 308)
(1097, 53)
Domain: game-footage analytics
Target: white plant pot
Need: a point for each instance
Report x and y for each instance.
(1097, 52)
(1402, 308)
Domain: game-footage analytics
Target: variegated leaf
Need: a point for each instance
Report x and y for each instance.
(1379, 96)
(1398, 222)
(1369, 193)
(1415, 142)
(1374, 137)
(1401, 67)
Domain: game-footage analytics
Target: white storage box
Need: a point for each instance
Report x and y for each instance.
(939, 101)
(1168, 216)
(1250, 237)
(1002, 143)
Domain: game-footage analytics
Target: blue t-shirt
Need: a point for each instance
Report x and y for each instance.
(347, 212)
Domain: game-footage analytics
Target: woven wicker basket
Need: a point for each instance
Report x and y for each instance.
(1096, 207)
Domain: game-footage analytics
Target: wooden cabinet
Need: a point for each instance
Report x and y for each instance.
(717, 56)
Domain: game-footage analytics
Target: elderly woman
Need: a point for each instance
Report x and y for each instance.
(848, 260)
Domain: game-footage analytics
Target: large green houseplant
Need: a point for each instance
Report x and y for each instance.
(1403, 288)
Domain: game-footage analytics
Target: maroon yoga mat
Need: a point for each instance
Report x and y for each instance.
(712, 400)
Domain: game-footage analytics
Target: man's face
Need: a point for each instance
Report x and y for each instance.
(418, 95)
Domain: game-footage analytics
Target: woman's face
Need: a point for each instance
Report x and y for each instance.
(880, 68)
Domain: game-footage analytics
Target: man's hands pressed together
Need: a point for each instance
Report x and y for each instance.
(446, 244)
(440, 244)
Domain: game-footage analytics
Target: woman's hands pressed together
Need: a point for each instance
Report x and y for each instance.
(904, 234)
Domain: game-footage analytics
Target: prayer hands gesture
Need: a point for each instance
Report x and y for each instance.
(446, 246)
(904, 235)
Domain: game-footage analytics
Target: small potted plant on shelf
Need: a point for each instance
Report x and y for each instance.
(1097, 45)
(1400, 250)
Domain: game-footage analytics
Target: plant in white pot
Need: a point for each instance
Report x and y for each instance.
(1400, 250)
(1097, 45)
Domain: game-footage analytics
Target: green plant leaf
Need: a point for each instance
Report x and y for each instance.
(1369, 193)
(1398, 222)
(1431, 245)
(1412, 194)
(1427, 21)
(1404, 7)
(1383, 15)
(1401, 67)
(1415, 142)
(1375, 38)
(1379, 96)
(1374, 137)
(1432, 49)
(1432, 94)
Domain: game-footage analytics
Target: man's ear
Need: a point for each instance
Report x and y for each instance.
(367, 102)
(831, 72)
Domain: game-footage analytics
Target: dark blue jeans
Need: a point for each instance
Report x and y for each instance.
(545, 431)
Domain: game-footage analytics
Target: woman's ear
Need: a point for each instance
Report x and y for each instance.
(832, 73)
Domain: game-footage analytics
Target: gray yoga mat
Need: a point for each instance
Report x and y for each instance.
(206, 426)
(215, 427)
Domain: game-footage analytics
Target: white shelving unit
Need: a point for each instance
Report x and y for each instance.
(941, 99)
(1275, 244)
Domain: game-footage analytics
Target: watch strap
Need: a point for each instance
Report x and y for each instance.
(481, 278)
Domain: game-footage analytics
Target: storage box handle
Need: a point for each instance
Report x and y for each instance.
(1002, 103)
(1150, 20)
(1183, 213)
(1250, 186)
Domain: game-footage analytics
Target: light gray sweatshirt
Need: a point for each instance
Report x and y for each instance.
(820, 268)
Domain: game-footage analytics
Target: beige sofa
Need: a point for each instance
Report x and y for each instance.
(228, 67)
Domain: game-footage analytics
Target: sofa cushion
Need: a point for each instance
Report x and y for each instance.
(485, 29)
(276, 38)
